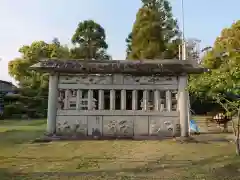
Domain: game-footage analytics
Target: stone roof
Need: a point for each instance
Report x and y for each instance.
(6, 86)
(148, 67)
(6, 82)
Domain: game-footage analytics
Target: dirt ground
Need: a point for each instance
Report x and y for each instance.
(211, 158)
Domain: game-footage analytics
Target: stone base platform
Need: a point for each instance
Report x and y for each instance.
(49, 138)
(202, 138)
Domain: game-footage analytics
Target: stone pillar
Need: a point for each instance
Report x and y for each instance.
(168, 100)
(79, 99)
(157, 100)
(162, 107)
(189, 111)
(176, 97)
(183, 105)
(52, 103)
(101, 99)
(134, 100)
(90, 99)
(112, 99)
(145, 100)
(123, 99)
(66, 100)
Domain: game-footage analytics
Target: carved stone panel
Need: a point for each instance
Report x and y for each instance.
(162, 126)
(118, 125)
(141, 126)
(72, 125)
(95, 125)
(145, 80)
(86, 79)
(118, 78)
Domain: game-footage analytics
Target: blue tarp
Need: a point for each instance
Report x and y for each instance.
(193, 126)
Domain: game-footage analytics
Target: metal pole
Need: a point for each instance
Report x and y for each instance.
(183, 33)
(186, 94)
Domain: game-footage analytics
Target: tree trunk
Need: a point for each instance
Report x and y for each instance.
(233, 127)
(89, 49)
(238, 134)
(225, 127)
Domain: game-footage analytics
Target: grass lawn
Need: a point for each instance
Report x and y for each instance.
(119, 159)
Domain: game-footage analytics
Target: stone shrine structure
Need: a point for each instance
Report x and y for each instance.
(118, 98)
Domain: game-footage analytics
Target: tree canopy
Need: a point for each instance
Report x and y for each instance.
(223, 79)
(31, 54)
(90, 41)
(155, 33)
(33, 86)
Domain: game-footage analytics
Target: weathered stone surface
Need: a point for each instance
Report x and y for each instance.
(151, 80)
(118, 126)
(94, 97)
(85, 79)
(163, 67)
(162, 126)
(141, 126)
(72, 125)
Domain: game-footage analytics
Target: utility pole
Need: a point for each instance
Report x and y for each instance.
(184, 100)
(183, 33)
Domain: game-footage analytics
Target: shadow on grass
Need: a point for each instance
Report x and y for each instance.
(199, 139)
(214, 168)
(30, 122)
(5, 174)
(229, 170)
(37, 122)
(15, 136)
(216, 132)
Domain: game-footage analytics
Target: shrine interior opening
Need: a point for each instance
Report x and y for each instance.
(71, 102)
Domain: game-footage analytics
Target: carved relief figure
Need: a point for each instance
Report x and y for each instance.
(155, 128)
(149, 105)
(120, 126)
(169, 126)
(178, 128)
(74, 127)
(128, 79)
(84, 79)
(61, 97)
(63, 127)
(96, 132)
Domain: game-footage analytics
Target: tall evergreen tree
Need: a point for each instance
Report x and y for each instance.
(90, 41)
(155, 33)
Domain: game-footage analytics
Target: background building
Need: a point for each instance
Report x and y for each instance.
(5, 88)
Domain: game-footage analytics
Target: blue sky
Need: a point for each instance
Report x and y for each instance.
(22, 22)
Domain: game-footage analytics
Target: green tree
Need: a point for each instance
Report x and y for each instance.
(57, 50)
(33, 86)
(224, 78)
(155, 33)
(223, 60)
(129, 45)
(90, 41)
